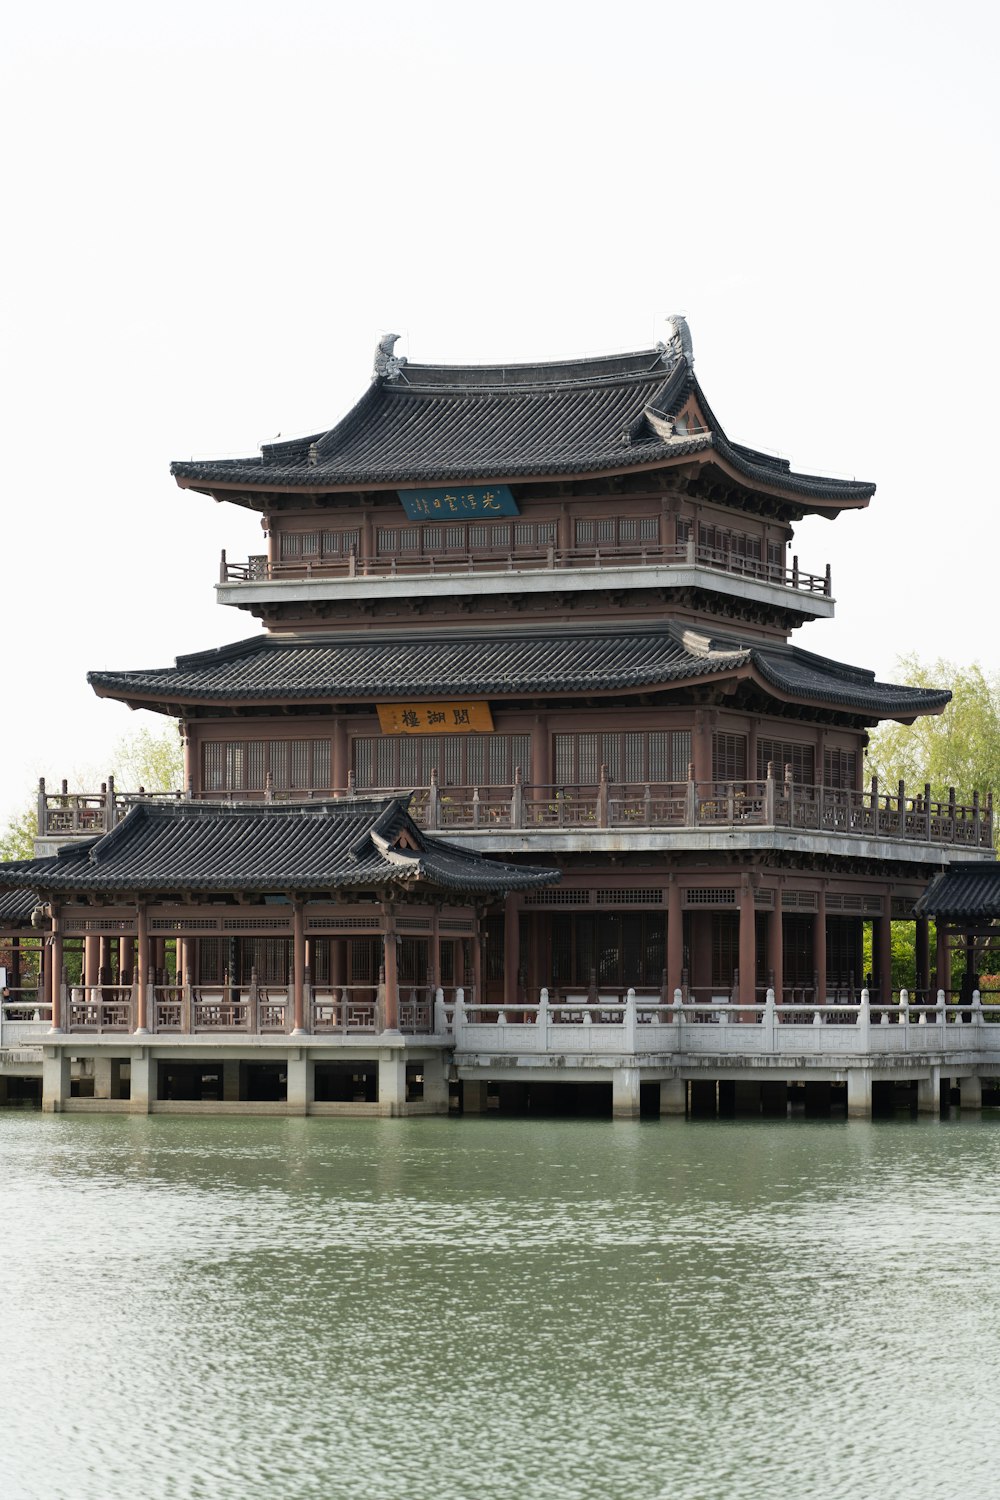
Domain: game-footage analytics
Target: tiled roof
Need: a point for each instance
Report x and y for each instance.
(333, 845)
(425, 423)
(16, 908)
(266, 669)
(963, 892)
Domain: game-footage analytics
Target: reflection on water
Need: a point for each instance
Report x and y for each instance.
(497, 1308)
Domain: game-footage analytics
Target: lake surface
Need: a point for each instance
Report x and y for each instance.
(498, 1308)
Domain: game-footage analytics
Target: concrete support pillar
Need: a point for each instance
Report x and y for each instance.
(625, 1093)
(673, 1096)
(55, 1079)
(859, 1094)
(436, 1083)
(675, 936)
(143, 1086)
(775, 950)
(748, 944)
(819, 946)
(474, 1096)
(929, 1093)
(231, 1081)
(970, 1092)
(102, 1077)
(392, 1082)
(301, 1082)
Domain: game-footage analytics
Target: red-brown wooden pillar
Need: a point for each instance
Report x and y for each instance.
(126, 960)
(338, 962)
(511, 950)
(434, 956)
(748, 943)
(541, 771)
(943, 957)
(819, 946)
(339, 766)
(391, 1021)
(142, 967)
(477, 960)
(776, 949)
(56, 970)
(298, 969)
(91, 960)
(922, 945)
(675, 936)
(883, 954)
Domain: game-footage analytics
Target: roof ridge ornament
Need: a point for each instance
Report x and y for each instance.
(679, 345)
(387, 365)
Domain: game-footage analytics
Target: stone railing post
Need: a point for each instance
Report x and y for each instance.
(904, 1007)
(690, 799)
(631, 1020)
(110, 812)
(543, 1018)
(864, 1021)
(769, 1023)
(186, 1010)
(602, 799)
(769, 795)
(440, 1014)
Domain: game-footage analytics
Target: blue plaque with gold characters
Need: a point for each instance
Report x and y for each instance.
(482, 500)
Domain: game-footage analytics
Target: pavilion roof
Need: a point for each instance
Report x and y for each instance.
(419, 424)
(266, 670)
(351, 843)
(964, 892)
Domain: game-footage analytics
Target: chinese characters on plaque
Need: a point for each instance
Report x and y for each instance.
(460, 500)
(434, 718)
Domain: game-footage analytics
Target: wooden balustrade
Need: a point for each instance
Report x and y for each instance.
(898, 815)
(430, 564)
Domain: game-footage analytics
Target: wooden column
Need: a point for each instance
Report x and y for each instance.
(104, 961)
(701, 746)
(511, 950)
(675, 936)
(775, 949)
(339, 763)
(183, 960)
(389, 942)
(541, 770)
(91, 960)
(190, 766)
(819, 946)
(56, 970)
(15, 963)
(338, 962)
(943, 955)
(922, 946)
(142, 967)
(298, 969)
(435, 953)
(159, 948)
(477, 960)
(748, 944)
(126, 960)
(883, 954)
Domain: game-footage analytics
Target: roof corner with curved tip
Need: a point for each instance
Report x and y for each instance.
(222, 848)
(418, 424)
(498, 664)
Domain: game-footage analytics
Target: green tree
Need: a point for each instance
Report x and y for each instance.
(17, 840)
(154, 762)
(958, 748)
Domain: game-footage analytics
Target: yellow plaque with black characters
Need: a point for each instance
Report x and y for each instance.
(435, 718)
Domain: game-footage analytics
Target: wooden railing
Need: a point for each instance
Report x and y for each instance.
(914, 817)
(260, 568)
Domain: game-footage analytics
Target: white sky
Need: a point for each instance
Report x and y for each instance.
(214, 210)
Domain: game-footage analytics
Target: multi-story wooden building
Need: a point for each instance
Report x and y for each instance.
(555, 604)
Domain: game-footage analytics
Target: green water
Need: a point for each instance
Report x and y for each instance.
(498, 1308)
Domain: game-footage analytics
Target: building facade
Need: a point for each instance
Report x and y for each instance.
(552, 606)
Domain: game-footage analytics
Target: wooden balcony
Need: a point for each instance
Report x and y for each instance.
(897, 816)
(261, 569)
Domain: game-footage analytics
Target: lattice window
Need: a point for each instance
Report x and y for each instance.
(640, 895)
(269, 957)
(341, 924)
(256, 924)
(413, 924)
(340, 543)
(188, 924)
(459, 759)
(561, 896)
(707, 895)
(803, 900)
(618, 948)
(783, 753)
(840, 769)
(243, 765)
(729, 757)
(450, 925)
(654, 757)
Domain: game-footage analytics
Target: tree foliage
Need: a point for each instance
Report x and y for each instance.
(958, 748)
(17, 839)
(154, 762)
